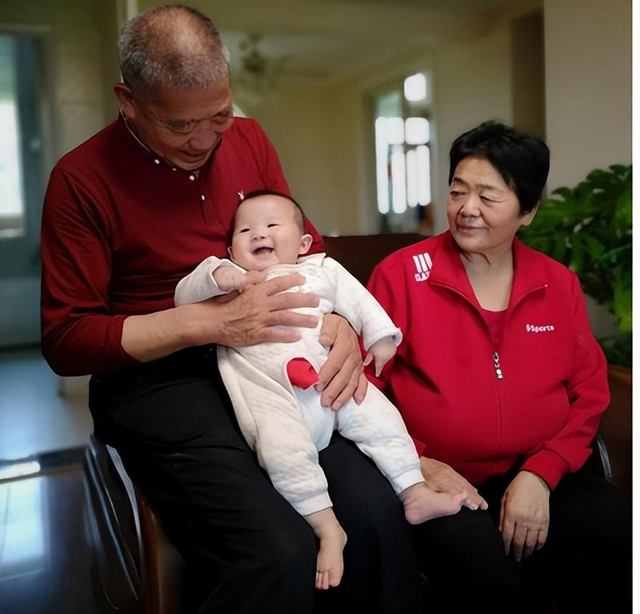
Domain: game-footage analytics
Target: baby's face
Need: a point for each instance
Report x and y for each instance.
(266, 233)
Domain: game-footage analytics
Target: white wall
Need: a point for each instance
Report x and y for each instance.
(472, 84)
(315, 131)
(588, 96)
(588, 86)
(322, 133)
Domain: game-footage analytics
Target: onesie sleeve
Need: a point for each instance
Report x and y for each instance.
(353, 301)
(588, 392)
(200, 285)
(394, 300)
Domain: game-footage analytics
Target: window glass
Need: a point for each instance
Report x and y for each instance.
(402, 138)
(12, 202)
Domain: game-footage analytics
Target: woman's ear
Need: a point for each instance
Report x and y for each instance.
(305, 244)
(528, 217)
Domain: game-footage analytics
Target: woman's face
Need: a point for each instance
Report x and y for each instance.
(482, 210)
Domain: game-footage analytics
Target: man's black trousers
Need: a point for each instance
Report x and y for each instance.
(247, 550)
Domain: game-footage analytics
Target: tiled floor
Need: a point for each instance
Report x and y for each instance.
(44, 563)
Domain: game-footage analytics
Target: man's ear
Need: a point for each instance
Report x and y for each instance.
(305, 244)
(125, 100)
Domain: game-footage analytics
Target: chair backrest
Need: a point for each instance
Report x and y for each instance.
(112, 533)
(135, 568)
(360, 254)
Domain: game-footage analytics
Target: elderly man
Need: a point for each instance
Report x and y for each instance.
(127, 214)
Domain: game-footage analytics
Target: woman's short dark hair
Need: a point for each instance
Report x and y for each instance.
(521, 159)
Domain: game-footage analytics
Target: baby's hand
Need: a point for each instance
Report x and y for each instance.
(383, 351)
(253, 277)
(229, 278)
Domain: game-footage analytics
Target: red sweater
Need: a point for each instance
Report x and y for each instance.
(121, 227)
(544, 410)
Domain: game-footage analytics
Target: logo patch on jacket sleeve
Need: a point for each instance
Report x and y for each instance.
(423, 266)
(540, 328)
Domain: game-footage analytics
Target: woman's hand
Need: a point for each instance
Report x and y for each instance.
(341, 376)
(524, 515)
(442, 478)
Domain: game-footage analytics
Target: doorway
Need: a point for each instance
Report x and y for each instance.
(22, 182)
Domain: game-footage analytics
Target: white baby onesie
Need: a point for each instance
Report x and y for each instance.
(286, 425)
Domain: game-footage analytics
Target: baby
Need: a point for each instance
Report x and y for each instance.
(272, 385)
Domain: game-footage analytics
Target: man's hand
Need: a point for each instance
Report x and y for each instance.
(441, 477)
(262, 313)
(341, 376)
(524, 515)
(383, 351)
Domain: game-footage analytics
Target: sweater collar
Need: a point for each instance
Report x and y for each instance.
(448, 270)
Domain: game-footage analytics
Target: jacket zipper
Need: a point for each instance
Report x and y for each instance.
(496, 365)
(495, 356)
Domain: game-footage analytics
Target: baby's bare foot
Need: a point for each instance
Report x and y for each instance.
(330, 566)
(422, 504)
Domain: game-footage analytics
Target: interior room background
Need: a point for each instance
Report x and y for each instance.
(558, 68)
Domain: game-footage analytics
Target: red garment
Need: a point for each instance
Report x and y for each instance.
(121, 227)
(301, 373)
(544, 412)
(495, 321)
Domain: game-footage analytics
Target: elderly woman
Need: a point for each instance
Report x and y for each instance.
(502, 386)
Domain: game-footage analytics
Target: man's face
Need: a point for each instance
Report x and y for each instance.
(266, 233)
(181, 126)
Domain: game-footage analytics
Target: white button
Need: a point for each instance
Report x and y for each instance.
(157, 161)
(192, 177)
(202, 196)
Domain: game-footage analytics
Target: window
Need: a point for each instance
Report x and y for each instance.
(402, 145)
(12, 201)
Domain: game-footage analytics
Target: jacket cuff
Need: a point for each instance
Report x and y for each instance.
(548, 465)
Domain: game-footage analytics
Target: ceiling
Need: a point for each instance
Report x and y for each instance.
(324, 41)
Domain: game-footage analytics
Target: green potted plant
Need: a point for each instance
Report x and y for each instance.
(588, 228)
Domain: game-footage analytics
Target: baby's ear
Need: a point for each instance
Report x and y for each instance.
(230, 251)
(305, 244)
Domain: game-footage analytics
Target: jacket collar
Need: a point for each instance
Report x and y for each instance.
(529, 272)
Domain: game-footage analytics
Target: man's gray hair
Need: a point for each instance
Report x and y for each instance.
(175, 46)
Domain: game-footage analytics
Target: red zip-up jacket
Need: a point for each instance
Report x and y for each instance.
(533, 402)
